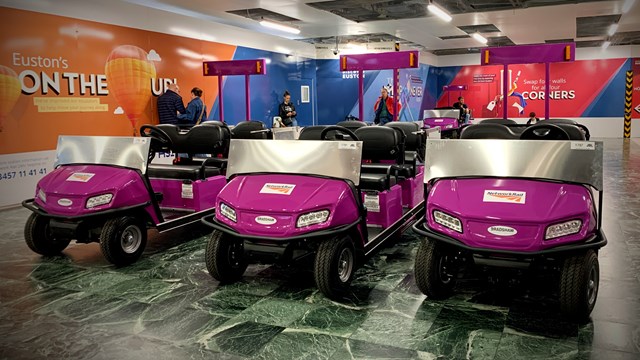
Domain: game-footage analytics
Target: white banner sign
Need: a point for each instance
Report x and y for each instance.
(19, 174)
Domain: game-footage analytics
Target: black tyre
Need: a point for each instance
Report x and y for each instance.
(225, 257)
(334, 266)
(123, 240)
(39, 237)
(434, 272)
(579, 283)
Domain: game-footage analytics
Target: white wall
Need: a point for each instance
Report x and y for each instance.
(191, 25)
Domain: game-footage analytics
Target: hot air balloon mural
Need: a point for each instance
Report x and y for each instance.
(9, 92)
(129, 75)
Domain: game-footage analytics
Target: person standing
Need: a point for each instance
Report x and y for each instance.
(383, 108)
(196, 110)
(287, 111)
(465, 113)
(170, 105)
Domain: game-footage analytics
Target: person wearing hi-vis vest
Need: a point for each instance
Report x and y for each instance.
(384, 108)
(196, 110)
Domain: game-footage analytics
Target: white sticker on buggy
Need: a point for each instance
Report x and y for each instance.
(187, 191)
(583, 145)
(372, 202)
(273, 188)
(80, 177)
(505, 196)
(346, 145)
(140, 140)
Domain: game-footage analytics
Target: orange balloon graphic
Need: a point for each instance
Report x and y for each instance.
(9, 91)
(129, 75)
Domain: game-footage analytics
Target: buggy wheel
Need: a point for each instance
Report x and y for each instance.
(39, 238)
(579, 283)
(434, 272)
(334, 266)
(225, 257)
(123, 240)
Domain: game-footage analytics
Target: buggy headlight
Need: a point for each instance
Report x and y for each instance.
(42, 196)
(315, 217)
(228, 212)
(562, 229)
(447, 221)
(99, 200)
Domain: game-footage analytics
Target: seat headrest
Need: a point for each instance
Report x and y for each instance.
(499, 121)
(311, 132)
(544, 131)
(561, 121)
(573, 131)
(413, 140)
(381, 143)
(488, 131)
(249, 130)
(351, 124)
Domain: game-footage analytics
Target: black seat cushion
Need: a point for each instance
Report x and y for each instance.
(250, 130)
(181, 172)
(499, 121)
(199, 139)
(488, 131)
(574, 132)
(312, 132)
(405, 170)
(352, 125)
(377, 182)
(414, 138)
(381, 143)
(582, 128)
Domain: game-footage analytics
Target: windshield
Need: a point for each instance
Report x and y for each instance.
(131, 152)
(568, 161)
(338, 159)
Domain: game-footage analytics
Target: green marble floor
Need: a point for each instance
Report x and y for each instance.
(166, 306)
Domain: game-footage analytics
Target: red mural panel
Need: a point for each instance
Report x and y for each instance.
(573, 87)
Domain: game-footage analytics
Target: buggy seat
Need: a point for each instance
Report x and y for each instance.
(384, 148)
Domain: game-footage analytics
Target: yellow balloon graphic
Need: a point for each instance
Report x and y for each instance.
(9, 91)
(129, 75)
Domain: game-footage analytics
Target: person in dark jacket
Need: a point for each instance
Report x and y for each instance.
(287, 111)
(196, 110)
(532, 118)
(170, 104)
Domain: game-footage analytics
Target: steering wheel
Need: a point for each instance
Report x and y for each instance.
(160, 141)
(352, 135)
(585, 130)
(544, 132)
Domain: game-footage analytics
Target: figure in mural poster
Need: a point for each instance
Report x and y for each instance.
(170, 105)
(520, 104)
(196, 109)
(129, 73)
(287, 111)
(383, 107)
(9, 92)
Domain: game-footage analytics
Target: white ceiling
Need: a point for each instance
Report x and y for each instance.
(523, 26)
(209, 20)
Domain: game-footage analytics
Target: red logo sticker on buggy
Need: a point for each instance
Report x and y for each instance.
(273, 188)
(505, 196)
(80, 177)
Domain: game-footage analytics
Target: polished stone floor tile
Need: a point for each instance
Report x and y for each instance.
(166, 306)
